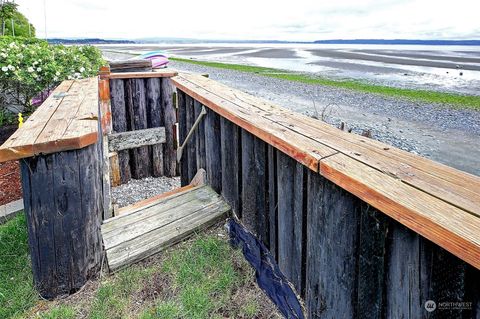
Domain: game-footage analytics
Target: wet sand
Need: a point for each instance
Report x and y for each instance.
(429, 55)
(351, 55)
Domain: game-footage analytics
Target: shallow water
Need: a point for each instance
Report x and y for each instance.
(443, 68)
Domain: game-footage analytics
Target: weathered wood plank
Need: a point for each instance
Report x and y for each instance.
(446, 225)
(157, 73)
(131, 65)
(115, 179)
(170, 118)
(155, 118)
(254, 188)
(231, 164)
(140, 162)
(119, 123)
(200, 137)
(332, 232)
(182, 132)
(371, 262)
(273, 201)
(135, 139)
(213, 160)
(191, 144)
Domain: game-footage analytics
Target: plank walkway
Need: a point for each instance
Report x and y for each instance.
(436, 201)
(145, 230)
(67, 120)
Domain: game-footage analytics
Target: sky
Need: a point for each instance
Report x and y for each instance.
(298, 20)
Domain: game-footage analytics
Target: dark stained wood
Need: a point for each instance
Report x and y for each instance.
(155, 118)
(231, 164)
(64, 205)
(140, 162)
(213, 159)
(138, 65)
(254, 188)
(182, 131)
(272, 200)
(200, 137)
(191, 144)
(169, 119)
(371, 262)
(291, 213)
(119, 122)
(332, 228)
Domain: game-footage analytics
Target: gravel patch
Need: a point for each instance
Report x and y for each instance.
(138, 189)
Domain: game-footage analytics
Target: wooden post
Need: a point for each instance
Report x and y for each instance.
(106, 128)
(200, 137)
(191, 144)
(137, 108)
(231, 164)
(64, 206)
(254, 188)
(332, 228)
(213, 160)
(155, 118)
(291, 214)
(119, 121)
(272, 200)
(170, 118)
(182, 131)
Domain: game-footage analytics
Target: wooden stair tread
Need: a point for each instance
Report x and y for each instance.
(146, 231)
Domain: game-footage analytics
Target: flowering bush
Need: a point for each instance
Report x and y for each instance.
(31, 66)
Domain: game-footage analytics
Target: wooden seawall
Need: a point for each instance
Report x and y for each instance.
(361, 229)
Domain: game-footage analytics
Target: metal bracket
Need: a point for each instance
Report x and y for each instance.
(195, 125)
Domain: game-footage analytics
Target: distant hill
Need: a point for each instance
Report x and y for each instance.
(88, 41)
(399, 41)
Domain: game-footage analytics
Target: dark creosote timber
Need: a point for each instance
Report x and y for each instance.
(63, 205)
(342, 256)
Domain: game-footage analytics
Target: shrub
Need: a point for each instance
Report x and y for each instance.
(30, 66)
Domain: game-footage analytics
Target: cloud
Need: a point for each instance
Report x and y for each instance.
(253, 19)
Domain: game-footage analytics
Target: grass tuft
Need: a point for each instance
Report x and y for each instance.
(456, 100)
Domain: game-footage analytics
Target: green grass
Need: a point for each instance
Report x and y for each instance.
(456, 100)
(16, 289)
(201, 278)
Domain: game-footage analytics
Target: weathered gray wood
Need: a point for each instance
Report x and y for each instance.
(143, 237)
(254, 188)
(134, 139)
(155, 118)
(140, 162)
(191, 143)
(272, 200)
(291, 212)
(213, 161)
(131, 65)
(169, 118)
(371, 262)
(182, 132)
(200, 137)
(63, 205)
(231, 164)
(332, 230)
(119, 123)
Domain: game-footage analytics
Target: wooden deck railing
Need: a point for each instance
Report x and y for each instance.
(333, 206)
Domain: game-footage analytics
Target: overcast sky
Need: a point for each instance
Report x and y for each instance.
(298, 20)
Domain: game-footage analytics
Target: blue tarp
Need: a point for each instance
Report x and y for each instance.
(269, 277)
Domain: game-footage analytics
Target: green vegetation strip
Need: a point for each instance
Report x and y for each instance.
(199, 279)
(457, 100)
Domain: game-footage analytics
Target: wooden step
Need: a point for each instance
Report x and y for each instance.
(147, 230)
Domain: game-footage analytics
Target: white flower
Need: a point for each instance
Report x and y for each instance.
(11, 67)
(30, 69)
(69, 77)
(4, 69)
(35, 62)
(12, 45)
(55, 78)
(4, 55)
(82, 69)
(57, 73)
(39, 69)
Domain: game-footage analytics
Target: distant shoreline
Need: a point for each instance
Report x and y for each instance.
(199, 41)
